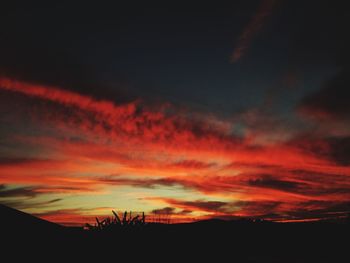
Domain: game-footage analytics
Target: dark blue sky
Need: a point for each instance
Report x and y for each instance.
(177, 52)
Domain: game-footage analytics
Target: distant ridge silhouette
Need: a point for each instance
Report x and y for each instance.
(12, 219)
(242, 240)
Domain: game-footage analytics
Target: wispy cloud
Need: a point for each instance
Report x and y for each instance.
(17, 192)
(250, 31)
(29, 204)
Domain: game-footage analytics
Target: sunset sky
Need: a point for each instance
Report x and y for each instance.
(221, 110)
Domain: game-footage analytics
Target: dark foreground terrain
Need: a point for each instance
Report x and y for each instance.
(24, 236)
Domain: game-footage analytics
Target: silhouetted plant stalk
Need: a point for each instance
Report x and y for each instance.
(109, 223)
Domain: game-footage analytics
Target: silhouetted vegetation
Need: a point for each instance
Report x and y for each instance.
(127, 221)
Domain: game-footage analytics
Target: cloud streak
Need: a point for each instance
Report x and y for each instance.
(251, 30)
(17, 192)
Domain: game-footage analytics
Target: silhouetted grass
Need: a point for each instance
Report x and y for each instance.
(127, 221)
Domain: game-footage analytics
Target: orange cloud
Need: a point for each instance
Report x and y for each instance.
(68, 217)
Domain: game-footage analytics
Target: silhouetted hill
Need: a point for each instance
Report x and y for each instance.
(236, 241)
(12, 219)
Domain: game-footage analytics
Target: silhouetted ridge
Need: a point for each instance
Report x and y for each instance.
(14, 220)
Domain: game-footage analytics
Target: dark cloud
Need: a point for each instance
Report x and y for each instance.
(18, 192)
(340, 150)
(167, 182)
(210, 185)
(14, 161)
(146, 183)
(257, 208)
(304, 183)
(168, 211)
(54, 200)
(319, 209)
(25, 197)
(193, 164)
(326, 41)
(25, 204)
(270, 210)
(209, 206)
(306, 186)
(274, 183)
(331, 101)
(185, 212)
(334, 149)
(315, 209)
(164, 211)
(213, 206)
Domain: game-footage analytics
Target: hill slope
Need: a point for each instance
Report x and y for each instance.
(14, 221)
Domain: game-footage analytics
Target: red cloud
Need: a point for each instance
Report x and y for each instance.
(98, 143)
(129, 121)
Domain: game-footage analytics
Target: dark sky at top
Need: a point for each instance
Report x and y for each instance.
(178, 52)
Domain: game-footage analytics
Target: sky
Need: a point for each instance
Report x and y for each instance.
(194, 111)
